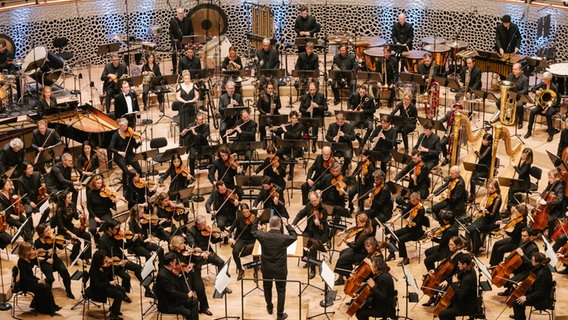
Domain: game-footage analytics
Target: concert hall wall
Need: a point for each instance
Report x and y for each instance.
(88, 23)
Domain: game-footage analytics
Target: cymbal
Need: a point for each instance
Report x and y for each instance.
(456, 44)
(432, 40)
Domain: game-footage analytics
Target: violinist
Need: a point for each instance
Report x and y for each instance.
(319, 168)
(333, 190)
(13, 211)
(104, 285)
(141, 243)
(484, 156)
(448, 229)
(316, 230)
(538, 294)
(29, 184)
(454, 197)
(65, 214)
(268, 103)
(290, 131)
(242, 239)
(381, 202)
(408, 110)
(59, 177)
(223, 204)
(190, 262)
(413, 229)
(49, 261)
(313, 105)
(163, 209)
(203, 236)
(272, 167)
(43, 139)
(174, 295)
(138, 191)
(99, 204)
(556, 204)
(12, 155)
(526, 249)
(381, 300)
(43, 301)
(464, 284)
(364, 174)
(384, 138)
(196, 136)
(122, 145)
(362, 102)
(513, 229)
(126, 105)
(271, 197)
(179, 174)
(342, 132)
(356, 250)
(229, 99)
(487, 215)
(88, 161)
(429, 146)
(419, 175)
(523, 171)
(226, 168)
(112, 242)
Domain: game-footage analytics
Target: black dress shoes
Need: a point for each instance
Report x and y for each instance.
(550, 137)
(206, 312)
(404, 261)
(430, 302)
(391, 256)
(312, 274)
(269, 309)
(528, 134)
(241, 274)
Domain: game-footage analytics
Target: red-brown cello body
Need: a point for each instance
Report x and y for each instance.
(500, 274)
(433, 280)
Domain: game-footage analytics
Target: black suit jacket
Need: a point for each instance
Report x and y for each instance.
(538, 294)
(306, 24)
(474, 78)
(9, 158)
(307, 63)
(170, 291)
(121, 108)
(466, 292)
(306, 102)
(381, 298)
(507, 39)
(367, 104)
(43, 108)
(49, 139)
(346, 128)
(59, 178)
(403, 34)
(110, 69)
(29, 186)
(224, 101)
(274, 245)
(268, 60)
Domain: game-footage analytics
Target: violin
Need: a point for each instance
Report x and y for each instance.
(42, 191)
(145, 183)
(231, 196)
(126, 234)
(16, 202)
(350, 233)
(150, 219)
(275, 163)
(328, 162)
(3, 223)
(106, 192)
(88, 164)
(59, 239)
(114, 261)
(417, 170)
(174, 208)
(339, 184)
(437, 232)
(365, 170)
(510, 226)
(83, 223)
(274, 193)
(191, 251)
(208, 231)
(231, 163)
(131, 133)
(377, 190)
(250, 219)
(413, 214)
(182, 169)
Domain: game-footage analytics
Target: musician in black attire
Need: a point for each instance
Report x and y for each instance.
(549, 112)
(429, 146)
(273, 167)
(428, 69)
(245, 127)
(179, 26)
(364, 183)
(28, 184)
(507, 36)
(225, 167)
(59, 178)
(402, 32)
(12, 155)
(268, 103)
(481, 172)
(556, 205)
(516, 223)
(190, 62)
(381, 203)
(333, 194)
(392, 77)
(227, 100)
(137, 192)
(456, 198)
(419, 179)
(46, 103)
(464, 284)
(526, 249)
(196, 136)
(122, 147)
(271, 197)
(225, 203)
(381, 299)
(362, 101)
(180, 178)
(521, 83)
(111, 75)
(163, 209)
(88, 162)
(242, 239)
(315, 173)
(290, 131)
(316, 230)
(474, 79)
(523, 170)
(306, 25)
(113, 247)
(103, 284)
(274, 259)
(307, 61)
(448, 228)
(9, 209)
(486, 217)
(51, 261)
(126, 105)
(198, 237)
(65, 214)
(44, 138)
(345, 62)
(384, 138)
(538, 294)
(5, 56)
(141, 244)
(408, 110)
(342, 132)
(151, 67)
(313, 105)
(232, 63)
(267, 59)
(174, 295)
(355, 251)
(412, 231)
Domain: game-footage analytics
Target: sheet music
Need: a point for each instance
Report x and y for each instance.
(550, 253)
(410, 279)
(223, 279)
(327, 274)
(291, 250)
(483, 269)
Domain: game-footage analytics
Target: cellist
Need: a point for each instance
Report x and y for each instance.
(464, 284)
(538, 294)
(513, 229)
(527, 248)
(448, 228)
(380, 302)
(551, 201)
(355, 251)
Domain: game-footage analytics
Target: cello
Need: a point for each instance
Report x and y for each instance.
(501, 273)
(363, 294)
(450, 293)
(540, 215)
(441, 273)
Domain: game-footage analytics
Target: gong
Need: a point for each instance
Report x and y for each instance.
(208, 20)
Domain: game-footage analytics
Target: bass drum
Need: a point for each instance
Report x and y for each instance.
(43, 66)
(208, 20)
(212, 49)
(402, 88)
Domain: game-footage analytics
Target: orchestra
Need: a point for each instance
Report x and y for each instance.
(123, 207)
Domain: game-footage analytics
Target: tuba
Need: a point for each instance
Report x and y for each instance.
(546, 99)
(508, 108)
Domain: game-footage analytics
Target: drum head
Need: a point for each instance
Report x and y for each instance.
(374, 52)
(208, 20)
(34, 60)
(437, 48)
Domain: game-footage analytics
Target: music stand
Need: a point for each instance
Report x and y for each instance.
(275, 73)
(147, 278)
(204, 150)
(236, 73)
(251, 182)
(170, 152)
(437, 124)
(164, 81)
(20, 230)
(308, 123)
(145, 155)
(269, 120)
(305, 73)
(412, 77)
(557, 162)
(352, 115)
(101, 50)
(136, 81)
(45, 156)
(368, 76)
(292, 144)
(234, 111)
(328, 276)
(401, 157)
(397, 189)
(511, 183)
(187, 194)
(221, 283)
(412, 297)
(484, 95)
(193, 39)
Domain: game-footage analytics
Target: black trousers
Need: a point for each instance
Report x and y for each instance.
(57, 265)
(477, 228)
(280, 290)
(242, 248)
(451, 313)
(187, 310)
(199, 286)
(122, 274)
(117, 294)
(548, 115)
(404, 235)
(347, 258)
(433, 255)
(500, 248)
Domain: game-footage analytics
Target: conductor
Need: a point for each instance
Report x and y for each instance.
(273, 245)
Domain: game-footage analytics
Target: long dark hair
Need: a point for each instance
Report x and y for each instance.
(98, 259)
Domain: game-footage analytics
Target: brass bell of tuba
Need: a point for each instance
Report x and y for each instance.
(508, 108)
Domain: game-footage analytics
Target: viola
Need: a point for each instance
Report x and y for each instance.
(83, 223)
(191, 251)
(17, 204)
(328, 162)
(126, 234)
(150, 219)
(250, 219)
(231, 163)
(182, 169)
(174, 208)
(437, 232)
(131, 133)
(208, 231)
(339, 184)
(231, 196)
(114, 261)
(413, 214)
(317, 214)
(42, 191)
(417, 171)
(59, 239)
(365, 170)
(377, 190)
(510, 226)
